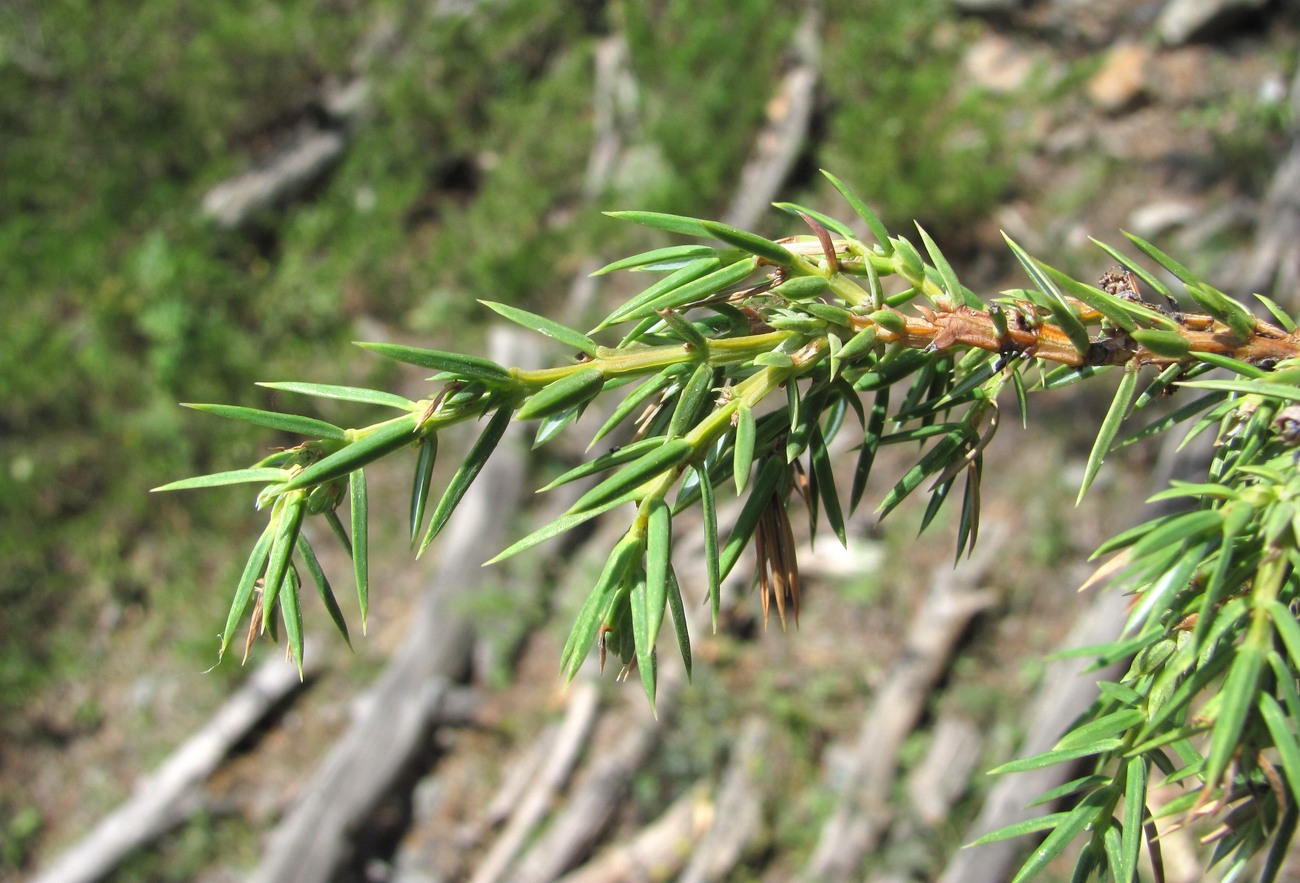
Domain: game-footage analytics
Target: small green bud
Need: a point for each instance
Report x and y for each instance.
(1169, 344)
(889, 320)
(802, 288)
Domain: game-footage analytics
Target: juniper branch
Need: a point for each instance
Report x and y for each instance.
(743, 361)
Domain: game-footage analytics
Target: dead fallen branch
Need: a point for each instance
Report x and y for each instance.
(590, 807)
(172, 794)
(864, 810)
(657, 852)
(789, 117)
(737, 817)
(1274, 264)
(552, 775)
(944, 774)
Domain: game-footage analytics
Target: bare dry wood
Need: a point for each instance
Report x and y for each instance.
(552, 775)
(318, 836)
(521, 773)
(590, 807)
(173, 793)
(863, 812)
(658, 851)
(789, 115)
(1274, 264)
(943, 775)
(302, 159)
(737, 821)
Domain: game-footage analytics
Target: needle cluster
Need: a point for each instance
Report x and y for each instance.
(733, 372)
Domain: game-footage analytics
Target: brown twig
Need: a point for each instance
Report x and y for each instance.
(947, 326)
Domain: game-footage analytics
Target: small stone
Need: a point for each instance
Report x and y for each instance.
(1121, 82)
(1184, 20)
(997, 64)
(1156, 219)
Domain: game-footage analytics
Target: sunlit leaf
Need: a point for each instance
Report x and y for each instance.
(686, 274)
(873, 223)
(323, 588)
(573, 389)
(1109, 430)
(1251, 387)
(542, 325)
(951, 286)
(1062, 312)
(424, 464)
(839, 228)
(458, 364)
(631, 403)
(1057, 755)
(669, 455)
(750, 242)
(695, 399)
(219, 479)
(659, 543)
(674, 256)
(587, 625)
(247, 582)
(1282, 316)
(344, 393)
(1135, 796)
(272, 420)
(667, 223)
(646, 662)
(1239, 696)
(290, 603)
(288, 517)
(1284, 740)
(1134, 267)
(360, 508)
(470, 467)
(1075, 822)
(553, 529)
(686, 330)
(687, 294)
(1021, 829)
(376, 443)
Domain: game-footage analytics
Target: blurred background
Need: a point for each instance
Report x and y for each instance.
(195, 197)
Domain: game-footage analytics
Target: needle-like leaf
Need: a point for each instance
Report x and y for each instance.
(465, 475)
(542, 325)
(360, 506)
(219, 479)
(344, 393)
(456, 364)
(424, 464)
(247, 582)
(272, 420)
(1109, 431)
(873, 223)
(323, 587)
